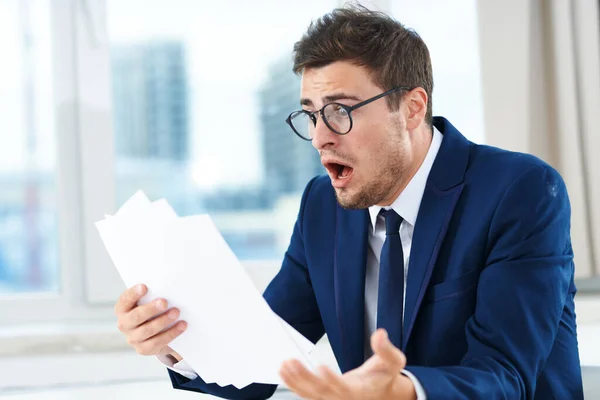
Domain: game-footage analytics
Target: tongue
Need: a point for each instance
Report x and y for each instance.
(345, 172)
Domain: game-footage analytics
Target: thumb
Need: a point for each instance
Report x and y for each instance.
(394, 359)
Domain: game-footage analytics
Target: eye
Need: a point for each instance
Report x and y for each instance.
(338, 110)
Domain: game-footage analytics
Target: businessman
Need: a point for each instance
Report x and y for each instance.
(439, 269)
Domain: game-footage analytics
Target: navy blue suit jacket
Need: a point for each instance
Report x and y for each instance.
(489, 303)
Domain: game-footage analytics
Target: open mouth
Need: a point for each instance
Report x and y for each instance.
(338, 171)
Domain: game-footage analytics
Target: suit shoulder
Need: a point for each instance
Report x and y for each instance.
(319, 197)
(503, 167)
(319, 186)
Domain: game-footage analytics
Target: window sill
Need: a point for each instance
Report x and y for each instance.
(63, 338)
(588, 286)
(96, 337)
(80, 353)
(587, 308)
(28, 372)
(93, 336)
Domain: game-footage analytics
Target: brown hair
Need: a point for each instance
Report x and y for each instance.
(394, 55)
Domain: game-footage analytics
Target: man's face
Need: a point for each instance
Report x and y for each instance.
(367, 165)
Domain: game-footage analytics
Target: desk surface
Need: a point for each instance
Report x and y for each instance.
(138, 390)
(162, 390)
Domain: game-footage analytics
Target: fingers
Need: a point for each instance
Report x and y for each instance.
(152, 327)
(145, 326)
(336, 384)
(302, 382)
(141, 314)
(175, 355)
(394, 359)
(129, 298)
(156, 343)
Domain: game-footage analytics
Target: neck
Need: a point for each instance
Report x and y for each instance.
(420, 144)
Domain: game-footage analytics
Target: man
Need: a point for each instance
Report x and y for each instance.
(437, 267)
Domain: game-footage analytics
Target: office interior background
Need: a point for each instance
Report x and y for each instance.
(186, 100)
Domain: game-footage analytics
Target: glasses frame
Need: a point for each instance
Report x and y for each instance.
(349, 109)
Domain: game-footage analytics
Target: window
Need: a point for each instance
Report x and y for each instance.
(199, 105)
(29, 259)
(187, 99)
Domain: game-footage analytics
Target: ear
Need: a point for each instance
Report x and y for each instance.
(416, 105)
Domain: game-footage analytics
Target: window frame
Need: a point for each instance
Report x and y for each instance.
(85, 172)
(79, 144)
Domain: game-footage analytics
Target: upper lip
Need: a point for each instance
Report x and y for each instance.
(333, 171)
(333, 160)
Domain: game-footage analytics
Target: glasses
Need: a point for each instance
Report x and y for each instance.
(336, 116)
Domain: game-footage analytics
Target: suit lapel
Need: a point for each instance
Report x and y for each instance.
(349, 280)
(430, 230)
(443, 189)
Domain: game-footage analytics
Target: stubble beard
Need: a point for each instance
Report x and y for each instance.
(389, 171)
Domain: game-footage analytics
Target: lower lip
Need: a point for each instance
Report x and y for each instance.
(340, 183)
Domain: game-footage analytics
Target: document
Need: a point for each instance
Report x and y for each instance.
(233, 336)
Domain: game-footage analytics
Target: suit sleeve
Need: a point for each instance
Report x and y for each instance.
(291, 296)
(521, 295)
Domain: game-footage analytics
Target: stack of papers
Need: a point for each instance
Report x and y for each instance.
(233, 336)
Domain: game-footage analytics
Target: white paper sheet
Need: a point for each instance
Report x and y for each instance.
(233, 336)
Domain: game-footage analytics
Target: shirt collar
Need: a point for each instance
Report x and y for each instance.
(408, 202)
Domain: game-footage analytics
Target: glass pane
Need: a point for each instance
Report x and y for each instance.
(201, 91)
(452, 38)
(28, 225)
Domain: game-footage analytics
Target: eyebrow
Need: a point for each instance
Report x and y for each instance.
(330, 98)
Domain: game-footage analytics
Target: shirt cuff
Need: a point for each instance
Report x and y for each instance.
(418, 388)
(181, 367)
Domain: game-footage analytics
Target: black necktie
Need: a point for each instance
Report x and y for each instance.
(391, 280)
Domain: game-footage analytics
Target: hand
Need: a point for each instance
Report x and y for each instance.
(143, 326)
(378, 378)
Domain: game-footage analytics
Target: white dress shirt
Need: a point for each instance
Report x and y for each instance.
(407, 206)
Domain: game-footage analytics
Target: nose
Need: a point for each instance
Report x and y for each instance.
(323, 137)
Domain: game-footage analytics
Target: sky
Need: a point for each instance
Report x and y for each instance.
(230, 44)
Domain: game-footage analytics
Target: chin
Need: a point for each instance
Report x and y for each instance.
(350, 201)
